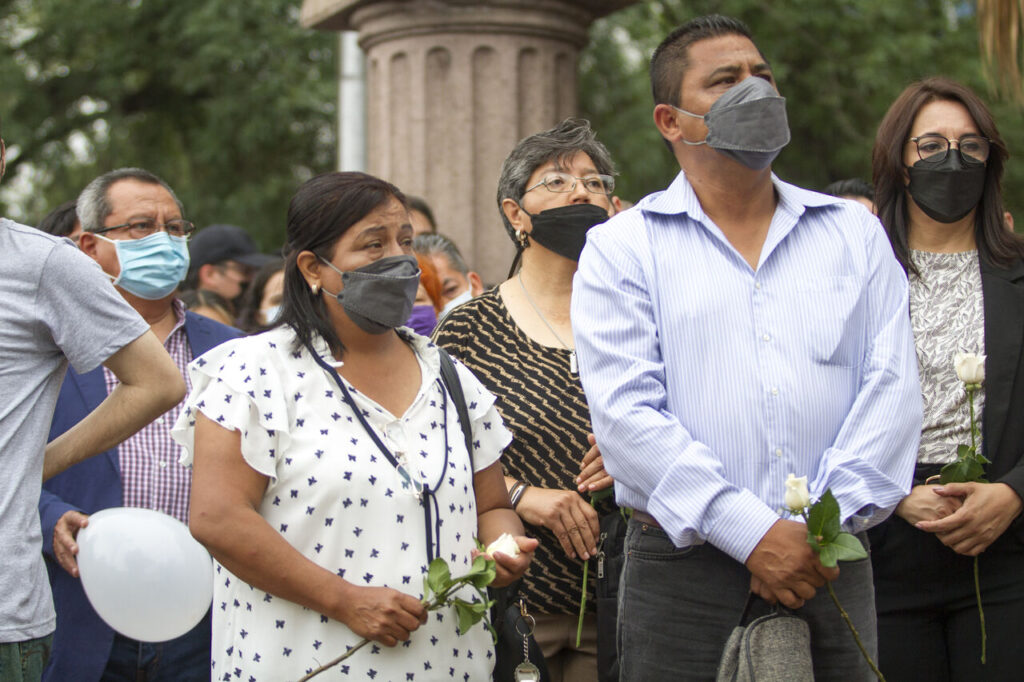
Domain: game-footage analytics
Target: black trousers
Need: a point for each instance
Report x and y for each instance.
(928, 624)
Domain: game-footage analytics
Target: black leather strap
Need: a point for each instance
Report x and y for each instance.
(451, 380)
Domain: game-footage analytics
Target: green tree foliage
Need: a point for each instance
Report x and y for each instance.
(231, 102)
(840, 64)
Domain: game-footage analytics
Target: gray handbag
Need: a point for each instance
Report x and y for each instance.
(772, 648)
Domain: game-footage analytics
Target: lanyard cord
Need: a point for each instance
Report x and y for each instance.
(428, 498)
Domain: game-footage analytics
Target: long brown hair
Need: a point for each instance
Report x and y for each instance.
(996, 244)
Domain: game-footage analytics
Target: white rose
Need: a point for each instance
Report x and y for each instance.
(970, 367)
(506, 544)
(797, 497)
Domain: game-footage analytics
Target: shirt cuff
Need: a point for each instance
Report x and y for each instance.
(740, 519)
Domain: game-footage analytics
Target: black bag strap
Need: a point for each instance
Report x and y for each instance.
(450, 377)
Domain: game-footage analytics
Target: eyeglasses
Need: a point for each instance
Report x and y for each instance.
(138, 229)
(935, 147)
(563, 182)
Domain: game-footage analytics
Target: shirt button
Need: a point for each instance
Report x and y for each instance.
(778, 452)
(767, 337)
(757, 285)
(775, 391)
(163, 465)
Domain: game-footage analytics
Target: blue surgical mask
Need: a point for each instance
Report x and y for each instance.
(270, 314)
(456, 302)
(151, 267)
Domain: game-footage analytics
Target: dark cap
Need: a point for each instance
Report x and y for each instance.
(218, 243)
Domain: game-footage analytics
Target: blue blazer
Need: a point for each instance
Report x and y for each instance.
(82, 642)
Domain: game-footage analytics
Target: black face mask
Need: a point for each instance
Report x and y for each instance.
(947, 190)
(564, 229)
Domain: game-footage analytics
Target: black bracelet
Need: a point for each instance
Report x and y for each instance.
(517, 494)
(514, 490)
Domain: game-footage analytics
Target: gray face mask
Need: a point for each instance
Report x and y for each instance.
(748, 123)
(379, 296)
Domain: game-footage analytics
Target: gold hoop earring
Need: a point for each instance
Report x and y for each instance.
(521, 238)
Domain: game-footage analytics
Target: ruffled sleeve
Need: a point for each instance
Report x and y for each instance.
(490, 437)
(239, 386)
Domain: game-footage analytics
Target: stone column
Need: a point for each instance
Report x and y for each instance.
(452, 85)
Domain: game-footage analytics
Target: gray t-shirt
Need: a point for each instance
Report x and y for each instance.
(56, 305)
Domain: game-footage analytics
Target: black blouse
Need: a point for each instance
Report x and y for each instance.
(543, 405)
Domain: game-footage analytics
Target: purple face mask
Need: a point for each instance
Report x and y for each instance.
(422, 320)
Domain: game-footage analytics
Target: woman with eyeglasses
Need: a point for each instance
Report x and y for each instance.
(938, 163)
(330, 464)
(517, 338)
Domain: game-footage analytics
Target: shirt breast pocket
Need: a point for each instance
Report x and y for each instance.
(832, 313)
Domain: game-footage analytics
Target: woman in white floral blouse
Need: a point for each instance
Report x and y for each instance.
(330, 466)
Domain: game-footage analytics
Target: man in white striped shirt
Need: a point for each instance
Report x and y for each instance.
(731, 330)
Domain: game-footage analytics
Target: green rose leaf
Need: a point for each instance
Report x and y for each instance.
(828, 555)
(812, 540)
(478, 566)
(599, 495)
(823, 519)
(482, 580)
(438, 575)
(848, 548)
(954, 472)
(467, 616)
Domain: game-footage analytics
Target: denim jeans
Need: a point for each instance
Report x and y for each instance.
(678, 606)
(24, 661)
(185, 659)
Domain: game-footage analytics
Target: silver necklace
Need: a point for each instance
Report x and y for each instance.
(573, 368)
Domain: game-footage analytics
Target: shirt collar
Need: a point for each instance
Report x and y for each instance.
(679, 197)
(421, 345)
(179, 315)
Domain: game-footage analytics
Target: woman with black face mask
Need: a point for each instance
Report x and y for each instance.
(938, 162)
(517, 338)
(331, 465)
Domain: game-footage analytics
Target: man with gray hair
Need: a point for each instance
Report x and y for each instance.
(135, 230)
(458, 283)
(58, 308)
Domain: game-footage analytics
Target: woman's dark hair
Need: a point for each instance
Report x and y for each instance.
(851, 187)
(997, 245)
(249, 319)
(61, 220)
(322, 210)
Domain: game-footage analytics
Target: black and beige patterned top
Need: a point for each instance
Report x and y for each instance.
(543, 406)
(948, 315)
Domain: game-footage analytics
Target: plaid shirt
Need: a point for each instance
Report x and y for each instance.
(151, 476)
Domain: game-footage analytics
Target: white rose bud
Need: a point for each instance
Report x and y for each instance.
(970, 367)
(797, 497)
(506, 544)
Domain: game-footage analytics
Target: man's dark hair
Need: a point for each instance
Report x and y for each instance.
(60, 221)
(671, 59)
(853, 187)
(322, 210)
(421, 205)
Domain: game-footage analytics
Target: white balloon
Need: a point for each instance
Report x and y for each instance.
(144, 573)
